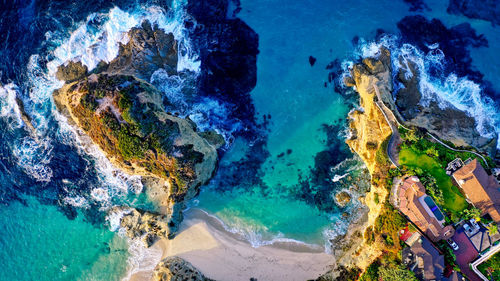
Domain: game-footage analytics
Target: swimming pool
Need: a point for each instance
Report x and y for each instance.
(435, 209)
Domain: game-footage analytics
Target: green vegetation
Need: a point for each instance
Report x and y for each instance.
(449, 196)
(491, 267)
(420, 143)
(428, 160)
(492, 228)
(130, 145)
(471, 213)
(449, 256)
(131, 131)
(396, 273)
(388, 224)
(388, 268)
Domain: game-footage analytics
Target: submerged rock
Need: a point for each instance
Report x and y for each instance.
(488, 10)
(177, 269)
(342, 198)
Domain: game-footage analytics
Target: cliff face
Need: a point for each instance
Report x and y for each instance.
(448, 123)
(124, 117)
(369, 129)
(368, 125)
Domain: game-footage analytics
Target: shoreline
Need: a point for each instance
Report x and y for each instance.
(221, 255)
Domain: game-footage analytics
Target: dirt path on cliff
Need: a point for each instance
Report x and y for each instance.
(395, 140)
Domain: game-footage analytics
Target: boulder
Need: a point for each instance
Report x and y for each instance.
(177, 269)
(343, 198)
(148, 49)
(71, 71)
(145, 226)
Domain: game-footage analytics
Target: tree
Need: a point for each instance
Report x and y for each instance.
(412, 136)
(432, 151)
(492, 228)
(396, 273)
(471, 213)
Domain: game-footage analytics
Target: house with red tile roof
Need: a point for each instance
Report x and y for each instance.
(421, 210)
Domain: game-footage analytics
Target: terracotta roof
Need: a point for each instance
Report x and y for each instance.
(482, 190)
(409, 193)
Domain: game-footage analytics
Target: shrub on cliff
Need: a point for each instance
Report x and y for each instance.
(396, 273)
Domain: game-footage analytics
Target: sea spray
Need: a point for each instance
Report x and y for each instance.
(447, 91)
(99, 37)
(8, 106)
(141, 259)
(256, 237)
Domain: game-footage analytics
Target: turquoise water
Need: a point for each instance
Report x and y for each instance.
(293, 93)
(39, 243)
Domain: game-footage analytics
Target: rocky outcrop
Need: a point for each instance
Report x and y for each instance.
(369, 129)
(124, 116)
(177, 269)
(71, 71)
(145, 226)
(488, 10)
(367, 124)
(149, 48)
(447, 123)
(343, 198)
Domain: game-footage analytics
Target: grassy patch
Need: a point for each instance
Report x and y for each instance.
(454, 201)
(491, 267)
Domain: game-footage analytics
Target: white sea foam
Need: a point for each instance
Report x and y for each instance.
(254, 234)
(99, 37)
(451, 91)
(34, 156)
(77, 201)
(8, 106)
(141, 259)
(336, 178)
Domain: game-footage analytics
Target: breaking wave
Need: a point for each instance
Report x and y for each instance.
(446, 90)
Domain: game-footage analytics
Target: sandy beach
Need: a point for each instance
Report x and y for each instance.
(221, 255)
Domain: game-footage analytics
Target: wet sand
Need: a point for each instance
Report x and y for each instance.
(222, 255)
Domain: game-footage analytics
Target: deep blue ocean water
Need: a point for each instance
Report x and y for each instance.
(278, 184)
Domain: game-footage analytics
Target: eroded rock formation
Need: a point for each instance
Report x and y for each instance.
(369, 129)
(124, 116)
(177, 269)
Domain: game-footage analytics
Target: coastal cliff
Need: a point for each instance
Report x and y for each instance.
(124, 116)
(375, 135)
(369, 129)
